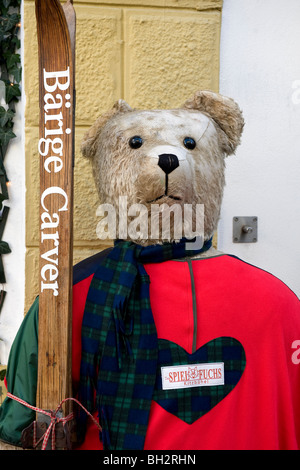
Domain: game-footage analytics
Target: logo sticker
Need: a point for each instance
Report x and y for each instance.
(193, 375)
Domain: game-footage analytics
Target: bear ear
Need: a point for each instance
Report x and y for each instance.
(90, 139)
(225, 112)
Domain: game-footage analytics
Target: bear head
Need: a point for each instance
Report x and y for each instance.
(172, 161)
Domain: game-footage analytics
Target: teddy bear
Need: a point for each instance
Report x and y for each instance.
(176, 346)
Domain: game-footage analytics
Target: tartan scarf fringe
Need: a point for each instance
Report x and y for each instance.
(120, 344)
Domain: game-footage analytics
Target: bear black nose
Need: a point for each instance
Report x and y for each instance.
(168, 162)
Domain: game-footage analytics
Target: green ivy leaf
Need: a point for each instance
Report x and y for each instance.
(12, 60)
(10, 21)
(6, 3)
(6, 135)
(3, 9)
(15, 3)
(2, 374)
(4, 248)
(16, 42)
(16, 72)
(7, 48)
(5, 116)
(12, 92)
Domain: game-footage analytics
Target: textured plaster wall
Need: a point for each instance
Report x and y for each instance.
(148, 52)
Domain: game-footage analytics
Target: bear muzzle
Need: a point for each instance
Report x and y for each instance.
(166, 159)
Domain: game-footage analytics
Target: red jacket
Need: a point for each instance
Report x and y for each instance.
(231, 298)
(193, 303)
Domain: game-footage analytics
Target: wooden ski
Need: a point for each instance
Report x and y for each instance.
(56, 45)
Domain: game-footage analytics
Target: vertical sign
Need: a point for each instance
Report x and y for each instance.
(56, 152)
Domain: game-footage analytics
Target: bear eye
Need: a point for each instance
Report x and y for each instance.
(136, 142)
(189, 143)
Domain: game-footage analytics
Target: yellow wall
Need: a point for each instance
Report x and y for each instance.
(152, 53)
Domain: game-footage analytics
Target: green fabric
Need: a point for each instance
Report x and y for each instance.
(22, 380)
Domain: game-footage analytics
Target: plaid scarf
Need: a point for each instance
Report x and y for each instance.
(119, 342)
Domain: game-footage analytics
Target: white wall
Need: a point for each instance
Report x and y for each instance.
(260, 69)
(12, 312)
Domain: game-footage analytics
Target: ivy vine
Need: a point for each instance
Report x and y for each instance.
(10, 93)
(2, 374)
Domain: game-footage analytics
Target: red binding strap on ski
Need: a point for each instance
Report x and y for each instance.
(54, 419)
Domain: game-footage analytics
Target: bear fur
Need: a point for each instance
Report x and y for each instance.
(213, 121)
